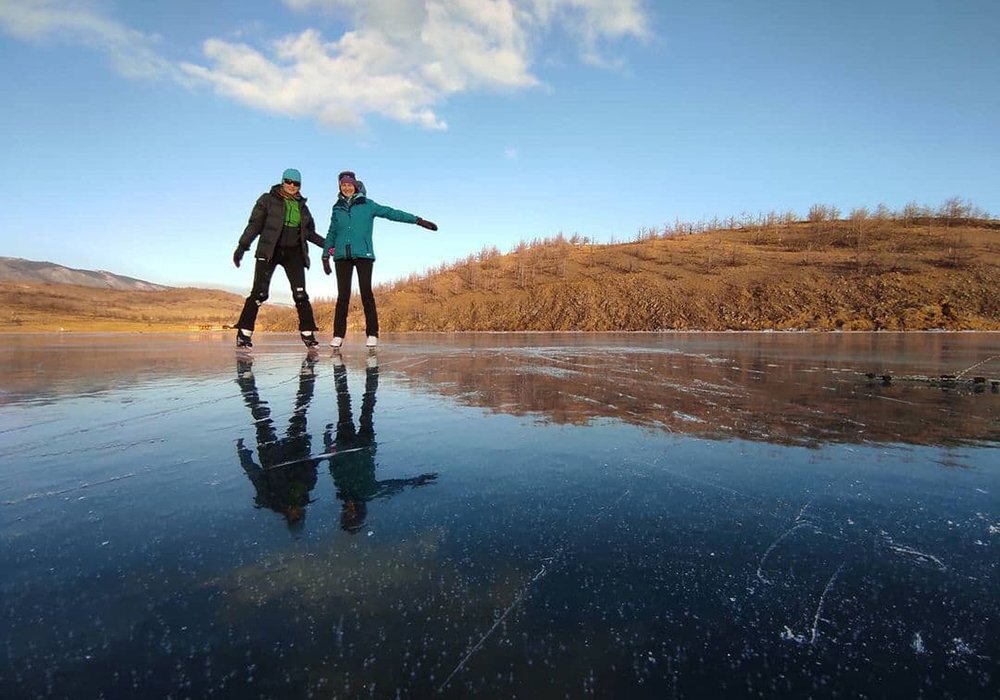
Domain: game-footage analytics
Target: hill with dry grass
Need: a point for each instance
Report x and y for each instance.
(37, 306)
(871, 271)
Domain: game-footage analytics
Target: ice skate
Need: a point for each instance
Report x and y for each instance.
(309, 338)
(243, 342)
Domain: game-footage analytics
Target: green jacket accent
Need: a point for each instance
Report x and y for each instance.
(351, 225)
(292, 214)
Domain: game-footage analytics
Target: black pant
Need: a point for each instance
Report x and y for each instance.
(295, 269)
(344, 270)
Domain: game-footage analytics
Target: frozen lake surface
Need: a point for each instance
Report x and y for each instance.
(661, 515)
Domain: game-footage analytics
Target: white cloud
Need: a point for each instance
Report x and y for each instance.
(133, 53)
(403, 57)
(398, 59)
(335, 82)
(595, 23)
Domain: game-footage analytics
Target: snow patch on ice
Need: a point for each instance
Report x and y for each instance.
(687, 417)
(789, 636)
(912, 553)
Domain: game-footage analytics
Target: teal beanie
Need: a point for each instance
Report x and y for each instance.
(292, 174)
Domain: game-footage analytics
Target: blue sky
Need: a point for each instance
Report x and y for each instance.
(137, 135)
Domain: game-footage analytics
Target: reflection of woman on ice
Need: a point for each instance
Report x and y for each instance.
(352, 453)
(349, 242)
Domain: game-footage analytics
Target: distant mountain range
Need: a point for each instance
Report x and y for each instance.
(34, 272)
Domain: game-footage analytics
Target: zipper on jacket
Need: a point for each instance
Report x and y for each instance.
(348, 245)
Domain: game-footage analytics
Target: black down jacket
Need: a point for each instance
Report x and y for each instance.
(268, 219)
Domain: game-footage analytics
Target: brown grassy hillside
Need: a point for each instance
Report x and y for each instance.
(47, 306)
(868, 272)
(872, 271)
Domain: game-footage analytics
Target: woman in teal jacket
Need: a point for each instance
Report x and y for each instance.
(349, 242)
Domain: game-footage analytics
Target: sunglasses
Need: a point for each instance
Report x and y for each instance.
(292, 182)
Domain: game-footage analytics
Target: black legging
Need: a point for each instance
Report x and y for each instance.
(344, 270)
(295, 269)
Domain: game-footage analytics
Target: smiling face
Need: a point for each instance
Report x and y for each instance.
(290, 186)
(347, 188)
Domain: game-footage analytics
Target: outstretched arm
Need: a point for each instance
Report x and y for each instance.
(387, 488)
(385, 212)
(403, 216)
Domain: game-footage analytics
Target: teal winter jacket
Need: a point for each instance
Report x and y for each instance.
(351, 224)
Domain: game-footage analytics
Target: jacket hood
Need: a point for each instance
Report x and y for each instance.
(276, 192)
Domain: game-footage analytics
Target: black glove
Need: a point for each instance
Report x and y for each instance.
(238, 255)
(326, 264)
(427, 224)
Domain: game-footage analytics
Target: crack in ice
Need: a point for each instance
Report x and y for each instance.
(819, 607)
(799, 522)
(520, 596)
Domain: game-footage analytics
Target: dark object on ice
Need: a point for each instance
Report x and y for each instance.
(243, 340)
(886, 378)
(944, 381)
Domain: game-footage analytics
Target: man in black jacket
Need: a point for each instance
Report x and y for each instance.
(285, 226)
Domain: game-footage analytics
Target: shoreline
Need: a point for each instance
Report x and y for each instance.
(670, 331)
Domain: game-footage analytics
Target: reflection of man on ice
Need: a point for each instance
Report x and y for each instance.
(286, 473)
(352, 452)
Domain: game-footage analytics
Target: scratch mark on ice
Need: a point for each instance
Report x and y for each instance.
(519, 597)
(914, 553)
(541, 572)
(80, 487)
(786, 533)
(799, 522)
(798, 518)
(819, 608)
(978, 364)
(889, 398)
